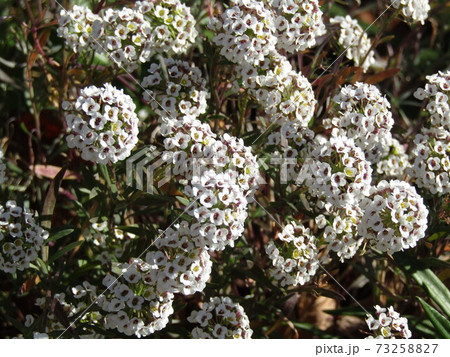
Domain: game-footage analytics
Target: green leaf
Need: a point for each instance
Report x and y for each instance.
(60, 234)
(13, 168)
(64, 250)
(93, 193)
(425, 327)
(100, 59)
(437, 291)
(104, 171)
(42, 265)
(208, 34)
(183, 200)
(440, 322)
(435, 288)
(436, 236)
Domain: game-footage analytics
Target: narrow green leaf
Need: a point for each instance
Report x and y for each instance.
(425, 327)
(13, 168)
(64, 250)
(104, 172)
(437, 236)
(60, 234)
(93, 193)
(43, 266)
(183, 200)
(437, 291)
(440, 322)
(435, 288)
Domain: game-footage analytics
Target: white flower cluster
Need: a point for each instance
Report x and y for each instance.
(337, 178)
(297, 23)
(336, 172)
(362, 113)
(430, 159)
(395, 217)
(250, 30)
(130, 36)
(437, 93)
(220, 318)
(133, 304)
(245, 32)
(181, 91)
(340, 229)
(286, 95)
(219, 177)
(413, 10)
(178, 266)
(102, 124)
(20, 238)
(354, 41)
(77, 28)
(387, 324)
(173, 26)
(295, 259)
(123, 35)
(395, 163)
(2, 167)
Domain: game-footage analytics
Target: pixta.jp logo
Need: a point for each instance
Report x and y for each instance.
(146, 165)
